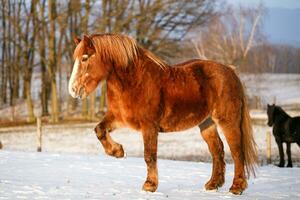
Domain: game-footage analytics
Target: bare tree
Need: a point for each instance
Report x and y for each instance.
(52, 62)
(37, 37)
(41, 37)
(3, 58)
(28, 55)
(230, 36)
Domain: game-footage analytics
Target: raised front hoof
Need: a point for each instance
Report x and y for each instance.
(214, 184)
(238, 186)
(116, 151)
(150, 186)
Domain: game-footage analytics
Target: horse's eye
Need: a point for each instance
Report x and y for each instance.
(84, 58)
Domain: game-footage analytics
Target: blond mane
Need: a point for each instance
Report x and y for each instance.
(120, 49)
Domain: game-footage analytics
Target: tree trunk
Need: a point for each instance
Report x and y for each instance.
(44, 96)
(44, 91)
(28, 54)
(84, 109)
(29, 101)
(3, 75)
(10, 51)
(52, 61)
(92, 105)
(54, 102)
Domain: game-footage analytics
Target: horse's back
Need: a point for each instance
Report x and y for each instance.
(193, 88)
(295, 126)
(218, 81)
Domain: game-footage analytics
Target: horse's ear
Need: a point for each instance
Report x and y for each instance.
(89, 43)
(77, 40)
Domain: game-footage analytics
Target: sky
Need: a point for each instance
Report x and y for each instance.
(270, 3)
(282, 21)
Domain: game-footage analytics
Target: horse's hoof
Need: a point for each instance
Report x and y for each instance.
(150, 186)
(236, 191)
(238, 186)
(214, 185)
(290, 165)
(116, 151)
(280, 165)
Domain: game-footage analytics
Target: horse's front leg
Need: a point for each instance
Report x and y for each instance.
(150, 156)
(281, 154)
(103, 130)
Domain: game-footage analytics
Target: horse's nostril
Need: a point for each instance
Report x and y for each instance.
(73, 90)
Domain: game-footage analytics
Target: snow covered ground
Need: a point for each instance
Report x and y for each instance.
(80, 138)
(284, 89)
(28, 175)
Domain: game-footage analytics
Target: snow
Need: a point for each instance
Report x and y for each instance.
(73, 164)
(282, 89)
(29, 175)
(80, 138)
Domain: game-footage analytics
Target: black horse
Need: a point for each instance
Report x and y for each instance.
(285, 129)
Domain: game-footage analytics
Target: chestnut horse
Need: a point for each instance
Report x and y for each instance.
(148, 95)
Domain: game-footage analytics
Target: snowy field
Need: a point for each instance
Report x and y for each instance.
(80, 138)
(27, 175)
(73, 164)
(282, 89)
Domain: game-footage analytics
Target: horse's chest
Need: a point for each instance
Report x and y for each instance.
(133, 108)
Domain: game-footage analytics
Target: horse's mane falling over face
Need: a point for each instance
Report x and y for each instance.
(96, 55)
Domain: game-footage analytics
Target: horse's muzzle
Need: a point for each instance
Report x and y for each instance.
(80, 93)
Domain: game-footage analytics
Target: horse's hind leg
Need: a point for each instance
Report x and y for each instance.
(103, 130)
(215, 146)
(232, 133)
(288, 152)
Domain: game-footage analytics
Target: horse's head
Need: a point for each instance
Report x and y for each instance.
(97, 56)
(270, 113)
(88, 69)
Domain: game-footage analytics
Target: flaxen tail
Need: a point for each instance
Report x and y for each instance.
(248, 142)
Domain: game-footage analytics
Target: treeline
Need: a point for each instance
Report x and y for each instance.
(235, 37)
(37, 37)
(274, 58)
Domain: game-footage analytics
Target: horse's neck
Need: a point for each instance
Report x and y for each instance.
(126, 78)
(281, 115)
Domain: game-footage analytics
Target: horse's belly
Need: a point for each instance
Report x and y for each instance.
(289, 138)
(181, 122)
